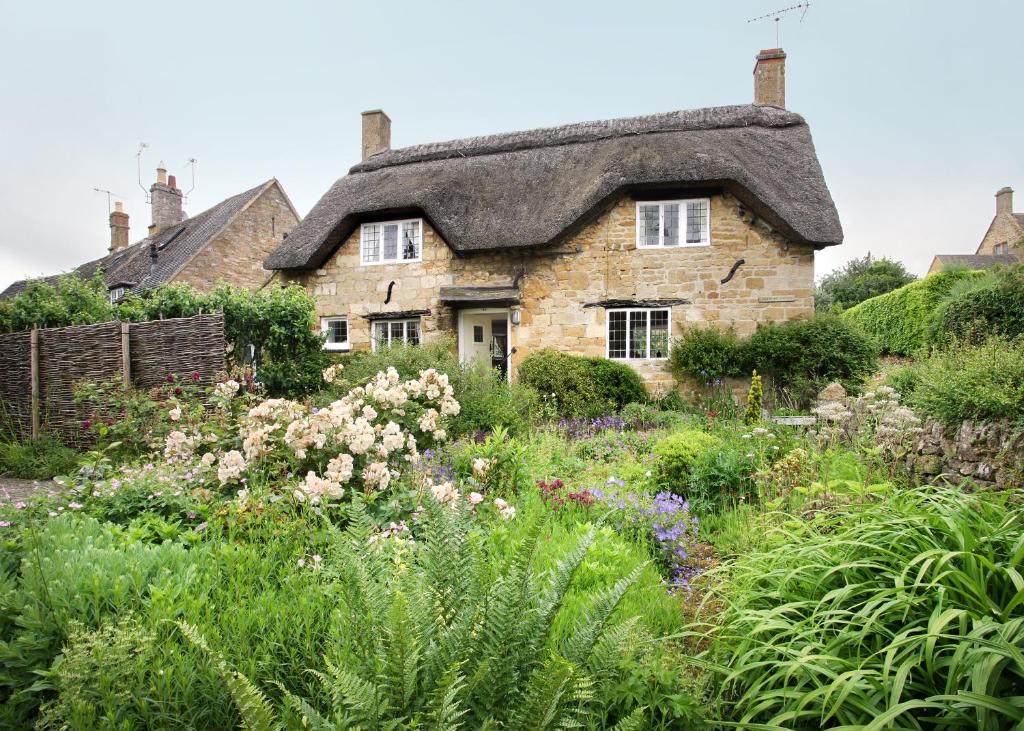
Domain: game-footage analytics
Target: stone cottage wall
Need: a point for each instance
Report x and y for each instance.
(236, 255)
(601, 262)
(1004, 229)
(988, 453)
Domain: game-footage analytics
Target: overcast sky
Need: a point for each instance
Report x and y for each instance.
(916, 107)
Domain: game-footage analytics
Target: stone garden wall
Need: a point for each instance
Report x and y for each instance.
(988, 453)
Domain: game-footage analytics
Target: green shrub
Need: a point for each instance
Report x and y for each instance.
(707, 355)
(972, 382)
(803, 356)
(677, 453)
(40, 459)
(859, 280)
(719, 475)
(617, 383)
(899, 613)
(898, 321)
(568, 379)
(755, 396)
(994, 307)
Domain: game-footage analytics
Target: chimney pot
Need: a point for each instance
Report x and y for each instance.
(165, 200)
(376, 132)
(172, 181)
(770, 78)
(1004, 200)
(118, 228)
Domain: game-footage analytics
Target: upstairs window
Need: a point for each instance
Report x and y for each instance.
(673, 223)
(395, 332)
(638, 334)
(392, 242)
(1003, 248)
(117, 294)
(336, 330)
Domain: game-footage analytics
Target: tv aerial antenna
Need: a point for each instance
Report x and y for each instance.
(138, 160)
(110, 195)
(776, 15)
(191, 164)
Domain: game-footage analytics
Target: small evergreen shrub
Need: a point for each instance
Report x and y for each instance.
(803, 356)
(677, 453)
(983, 381)
(581, 386)
(755, 396)
(898, 321)
(995, 307)
(41, 459)
(707, 355)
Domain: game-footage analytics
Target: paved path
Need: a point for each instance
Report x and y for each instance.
(12, 489)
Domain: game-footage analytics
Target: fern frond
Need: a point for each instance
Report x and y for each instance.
(542, 704)
(362, 698)
(587, 632)
(254, 707)
(309, 716)
(616, 644)
(635, 721)
(400, 656)
(560, 581)
(445, 708)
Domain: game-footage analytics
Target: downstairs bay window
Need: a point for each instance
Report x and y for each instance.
(641, 333)
(395, 332)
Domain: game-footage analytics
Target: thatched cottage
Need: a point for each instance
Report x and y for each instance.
(1002, 244)
(225, 243)
(602, 238)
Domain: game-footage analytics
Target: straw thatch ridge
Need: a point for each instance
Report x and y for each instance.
(535, 188)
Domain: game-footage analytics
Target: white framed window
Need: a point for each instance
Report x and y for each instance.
(392, 242)
(639, 334)
(116, 294)
(396, 332)
(667, 224)
(336, 330)
(1003, 248)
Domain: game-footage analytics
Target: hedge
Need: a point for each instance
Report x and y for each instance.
(995, 307)
(898, 321)
(581, 386)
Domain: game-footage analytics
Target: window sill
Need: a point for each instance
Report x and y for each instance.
(337, 348)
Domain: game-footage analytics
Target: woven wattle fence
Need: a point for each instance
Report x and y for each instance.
(40, 369)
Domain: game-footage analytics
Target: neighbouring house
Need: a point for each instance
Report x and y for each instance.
(602, 238)
(226, 243)
(1003, 242)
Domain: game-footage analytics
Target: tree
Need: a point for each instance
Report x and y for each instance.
(858, 280)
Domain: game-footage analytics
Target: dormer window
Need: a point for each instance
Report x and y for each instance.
(668, 224)
(392, 242)
(117, 294)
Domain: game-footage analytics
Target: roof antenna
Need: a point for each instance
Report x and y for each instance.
(776, 15)
(138, 158)
(192, 164)
(109, 194)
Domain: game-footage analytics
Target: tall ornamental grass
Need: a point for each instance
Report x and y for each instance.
(905, 614)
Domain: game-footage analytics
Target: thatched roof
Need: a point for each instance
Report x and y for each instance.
(534, 188)
(175, 246)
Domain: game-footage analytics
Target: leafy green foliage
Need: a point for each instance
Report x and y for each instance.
(677, 453)
(707, 355)
(859, 280)
(73, 301)
(448, 642)
(581, 386)
(898, 321)
(40, 459)
(803, 356)
(995, 306)
(983, 381)
(899, 614)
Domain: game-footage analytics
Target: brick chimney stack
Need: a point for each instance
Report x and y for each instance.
(165, 199)
(770, 78)
(118, 228)
(376, 132)
(1004, 200)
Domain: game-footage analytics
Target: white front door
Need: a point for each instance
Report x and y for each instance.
(485, 338)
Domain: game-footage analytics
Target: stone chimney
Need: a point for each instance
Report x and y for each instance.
(118, 228)
(770, 78)
(1004, 200)
(165, 199)
(376, 132)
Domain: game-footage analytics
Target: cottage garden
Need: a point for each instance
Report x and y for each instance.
(407, 544)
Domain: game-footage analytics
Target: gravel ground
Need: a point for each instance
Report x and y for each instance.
(12, 489)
